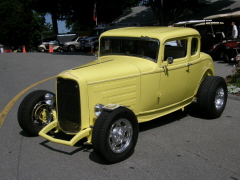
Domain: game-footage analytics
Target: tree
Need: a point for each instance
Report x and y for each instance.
(19, 24)
(171, 10)
(54, 7)
(109, 10)
(80, 14)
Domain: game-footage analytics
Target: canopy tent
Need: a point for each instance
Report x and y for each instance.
(208, 23)
(226, 15)
(190, 22)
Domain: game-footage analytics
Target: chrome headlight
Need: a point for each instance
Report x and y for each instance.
(50, 99)
(98, 109)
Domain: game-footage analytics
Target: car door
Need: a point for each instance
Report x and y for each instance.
(196, 67)
(174, 75)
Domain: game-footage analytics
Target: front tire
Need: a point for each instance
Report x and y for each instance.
(59, 49)
(34, 113)
(212, 97)
(71, 48)
(41, 49)
(115, 135)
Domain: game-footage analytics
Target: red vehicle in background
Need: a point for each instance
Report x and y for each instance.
(230, 50)
(226, 49)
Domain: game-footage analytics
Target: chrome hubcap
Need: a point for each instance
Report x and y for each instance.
(219, 98)
(120, 135)
(42, 114)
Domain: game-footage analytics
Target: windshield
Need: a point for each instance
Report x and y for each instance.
(74, 39)
(139, 47)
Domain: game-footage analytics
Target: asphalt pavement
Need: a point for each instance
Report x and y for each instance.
(178, 146)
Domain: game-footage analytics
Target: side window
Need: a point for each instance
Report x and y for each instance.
(175, 49)
(194, 46)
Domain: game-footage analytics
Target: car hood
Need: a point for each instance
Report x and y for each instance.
(70, 42)
(106, 69)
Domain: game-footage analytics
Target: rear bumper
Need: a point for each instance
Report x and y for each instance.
(80, 135)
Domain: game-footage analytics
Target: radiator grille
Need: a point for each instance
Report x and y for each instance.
(68, 105)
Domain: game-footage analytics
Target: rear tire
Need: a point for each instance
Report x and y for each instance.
(71, 48)
(212, 97)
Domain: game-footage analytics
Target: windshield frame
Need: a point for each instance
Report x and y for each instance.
(145, 39)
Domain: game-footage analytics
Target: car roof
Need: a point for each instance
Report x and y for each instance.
(157, 32)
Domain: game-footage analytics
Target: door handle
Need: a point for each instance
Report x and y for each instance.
(189, 64)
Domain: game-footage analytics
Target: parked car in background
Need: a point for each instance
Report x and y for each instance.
(73, 45)
(46, 45)
(141, 73)
(91, 42)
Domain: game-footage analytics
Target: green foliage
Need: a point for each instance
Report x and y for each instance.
(19, 24)
(108, 10)
(233, 80)
(47, 30)
(80, 13)
(22, 21)
(54, 7)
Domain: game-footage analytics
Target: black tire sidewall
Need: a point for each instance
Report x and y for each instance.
(105, 121)
(71, 48)
(25, 111)
(206, 96)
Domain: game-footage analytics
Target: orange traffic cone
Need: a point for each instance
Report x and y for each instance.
(24, 49)
(50, 48)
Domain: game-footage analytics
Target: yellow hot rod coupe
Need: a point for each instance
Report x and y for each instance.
(141, 73)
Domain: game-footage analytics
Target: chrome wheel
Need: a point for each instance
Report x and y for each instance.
(219, 98)
(115, 134)
(42, 114)
(35, 111)
(120, 135)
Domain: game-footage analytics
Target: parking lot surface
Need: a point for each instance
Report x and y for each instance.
(179, 146)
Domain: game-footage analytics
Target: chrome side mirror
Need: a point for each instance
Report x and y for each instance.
(170, 60)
